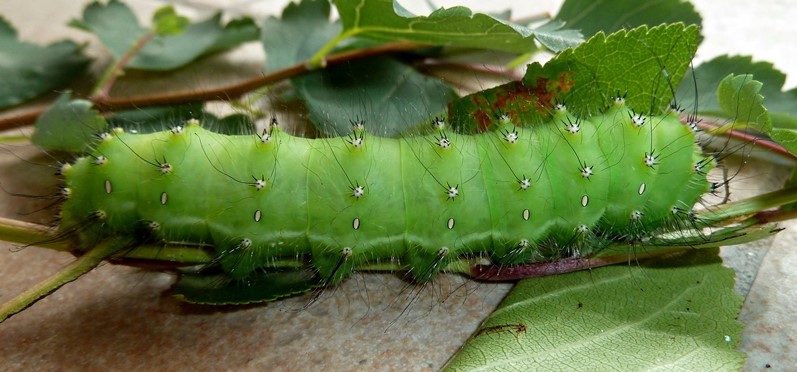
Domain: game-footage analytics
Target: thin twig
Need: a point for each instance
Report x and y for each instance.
(498, 273)
(223, 93)
(103, 89)
(709, 124)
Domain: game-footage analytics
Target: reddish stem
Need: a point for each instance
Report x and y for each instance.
(498, 273)
(708, 125)
(234, 91)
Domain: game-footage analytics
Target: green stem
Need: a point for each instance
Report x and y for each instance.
(103, 88)
(27, 233)
(14, 139)
(749, 206)
(179, 255)
(318, 60)
(74, 270)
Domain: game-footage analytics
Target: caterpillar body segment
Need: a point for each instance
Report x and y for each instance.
(517, 194)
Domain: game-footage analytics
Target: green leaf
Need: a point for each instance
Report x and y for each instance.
(739, 97)
(592, 16)
(68, 125)
(114, 23)
(72, 125)
(231, 124)
(155, 119)
(303, 29)
(28, 70)
(395, 93)
(676, 313)
(394, 96)
(555, 37)
(782, 105)
(261, 287)
(235, 32)
(643, 64)
(163, 118)
(387, 20)
(166, 22)
(118, 28)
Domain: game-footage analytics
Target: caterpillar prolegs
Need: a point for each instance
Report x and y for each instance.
(523, 192)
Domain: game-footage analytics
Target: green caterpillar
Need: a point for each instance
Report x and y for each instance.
(515, 194)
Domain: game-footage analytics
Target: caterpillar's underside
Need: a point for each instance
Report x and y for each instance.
(517, 194)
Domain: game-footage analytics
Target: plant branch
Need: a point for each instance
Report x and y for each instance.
(710, 124)
(229, 92)
(27, 233)
(237, 90)
(751, 206)
(497, 273)
(68, 274)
